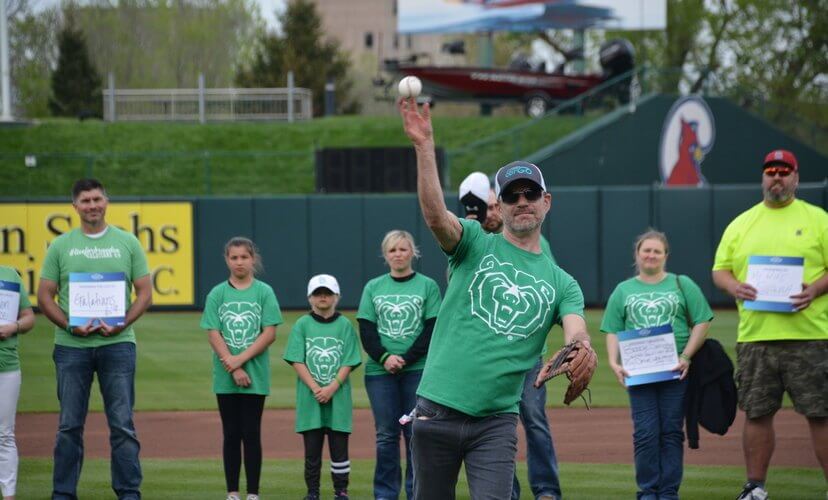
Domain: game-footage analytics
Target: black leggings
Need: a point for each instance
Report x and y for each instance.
(241, 421)
(340, 465)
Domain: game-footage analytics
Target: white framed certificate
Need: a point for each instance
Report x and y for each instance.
(648, 355)
(9, 302)
(775, 280)
(97, 297)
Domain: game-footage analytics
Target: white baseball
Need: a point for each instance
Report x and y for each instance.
(410, 86)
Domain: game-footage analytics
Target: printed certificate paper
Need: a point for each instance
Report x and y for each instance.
(648, 355)
(775, 279)
(9, 302)
(97, 297)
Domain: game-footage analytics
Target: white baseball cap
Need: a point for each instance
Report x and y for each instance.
(323, 281)
(476, 183)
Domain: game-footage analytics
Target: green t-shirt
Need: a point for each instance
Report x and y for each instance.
(798, 230)
(9, 359)
(498, 308)
(324, 347)
(240, 316)
(635, 304)
(399, 309)
(546, 249)
(116, 251)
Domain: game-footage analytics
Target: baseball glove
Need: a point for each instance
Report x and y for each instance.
(578, 361)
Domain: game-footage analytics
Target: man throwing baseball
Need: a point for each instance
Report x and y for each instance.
(503, 297)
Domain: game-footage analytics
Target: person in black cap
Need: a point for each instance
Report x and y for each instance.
(541, 459)
(503, 297)
(782, 346)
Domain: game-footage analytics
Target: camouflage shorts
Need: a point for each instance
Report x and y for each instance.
(766, 370)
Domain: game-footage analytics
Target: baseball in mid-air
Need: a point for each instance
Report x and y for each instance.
(410, 86)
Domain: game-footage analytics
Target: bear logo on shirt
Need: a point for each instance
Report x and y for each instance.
(241, 323)
(647, 310)
(323, 356)
(511, 302)
(398, 316)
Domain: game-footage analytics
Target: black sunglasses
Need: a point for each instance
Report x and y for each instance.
(512, 197)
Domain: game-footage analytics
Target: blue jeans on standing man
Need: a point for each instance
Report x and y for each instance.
(114, 365)
(444, 439)
(540, 452)
(658, 438)
(392, 396)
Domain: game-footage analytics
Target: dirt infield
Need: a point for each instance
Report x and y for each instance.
(598, 436)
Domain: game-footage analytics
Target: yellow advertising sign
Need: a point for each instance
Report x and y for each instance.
(165, 230)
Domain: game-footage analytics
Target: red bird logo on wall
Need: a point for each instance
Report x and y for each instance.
(686, 138)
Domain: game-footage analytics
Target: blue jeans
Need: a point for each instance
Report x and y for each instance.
(115, 367)
(658, 438)
(444, 439)
(391, 397)
(540, 452)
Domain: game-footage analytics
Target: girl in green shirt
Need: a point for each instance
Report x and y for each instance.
(654, 298)
(240, 317)
(20, 320)
(323, 350)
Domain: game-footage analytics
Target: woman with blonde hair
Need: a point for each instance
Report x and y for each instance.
(396, 316)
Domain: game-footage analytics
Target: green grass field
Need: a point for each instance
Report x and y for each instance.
(175, 159)
(282, 479)
(174, 365)
(174, 374)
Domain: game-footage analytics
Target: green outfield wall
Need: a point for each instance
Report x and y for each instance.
(590, 229)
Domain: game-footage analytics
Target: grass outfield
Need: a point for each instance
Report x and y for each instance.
(174, 365)
(200, 479)
(166, 159)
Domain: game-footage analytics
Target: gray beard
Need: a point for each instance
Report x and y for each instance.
(523, 228)
(779, 197)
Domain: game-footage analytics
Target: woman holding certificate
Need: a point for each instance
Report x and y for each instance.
(655, 322)
(16, 317)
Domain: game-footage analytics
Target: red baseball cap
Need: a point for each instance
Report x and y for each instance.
(781, 157)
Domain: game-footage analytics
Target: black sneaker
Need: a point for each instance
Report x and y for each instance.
(752, 491)
(341, 495)
(312, 496)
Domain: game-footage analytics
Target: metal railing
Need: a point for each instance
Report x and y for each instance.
(286, 104)
(254, 172)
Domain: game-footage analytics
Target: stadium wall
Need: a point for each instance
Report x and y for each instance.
(590, 229)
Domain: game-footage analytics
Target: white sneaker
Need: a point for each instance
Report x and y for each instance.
(233, 496)
(251, 496)
(752, 492)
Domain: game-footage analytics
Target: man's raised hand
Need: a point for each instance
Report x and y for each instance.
(417, 124)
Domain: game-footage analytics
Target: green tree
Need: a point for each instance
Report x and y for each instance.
(32, 38)
(301, 49)
(167, 44)
(76, 85)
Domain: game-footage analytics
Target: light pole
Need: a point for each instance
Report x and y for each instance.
(5, 70)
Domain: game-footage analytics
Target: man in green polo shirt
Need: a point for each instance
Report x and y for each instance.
(779, 352)
(95, 347)
(503, 297)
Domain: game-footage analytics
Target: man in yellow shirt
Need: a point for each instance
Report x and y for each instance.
(779, 352)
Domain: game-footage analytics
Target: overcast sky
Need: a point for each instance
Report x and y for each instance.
(269, 8)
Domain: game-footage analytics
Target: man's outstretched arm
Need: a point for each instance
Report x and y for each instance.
(443, 224)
